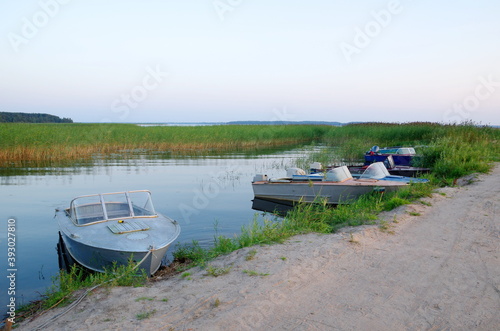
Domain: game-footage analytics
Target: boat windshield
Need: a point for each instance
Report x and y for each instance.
(375, 170)
(100, 207)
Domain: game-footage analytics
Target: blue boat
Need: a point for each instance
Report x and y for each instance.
(402, 156)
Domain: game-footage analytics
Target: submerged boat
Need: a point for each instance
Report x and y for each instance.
(402, 156)
(101, 230)
(337, 186)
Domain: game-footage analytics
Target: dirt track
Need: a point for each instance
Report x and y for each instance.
(436, 271)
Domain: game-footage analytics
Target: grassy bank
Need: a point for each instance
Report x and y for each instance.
(22, 143)
(451, 151)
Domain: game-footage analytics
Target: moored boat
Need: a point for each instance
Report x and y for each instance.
(379, 171)
(102, 230)
(393, 169)
(402, 156)
(337, 186)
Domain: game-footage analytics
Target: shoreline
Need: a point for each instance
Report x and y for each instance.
(435, 268)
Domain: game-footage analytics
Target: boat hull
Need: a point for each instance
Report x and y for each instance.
(99, 259)
(330, 192)
(399, 159)
(96, 247)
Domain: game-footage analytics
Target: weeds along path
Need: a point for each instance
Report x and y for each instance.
(437, 270)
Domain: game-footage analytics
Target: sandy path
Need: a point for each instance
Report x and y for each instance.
(436, 271)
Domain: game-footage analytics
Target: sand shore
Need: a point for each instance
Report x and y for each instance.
(435, 269)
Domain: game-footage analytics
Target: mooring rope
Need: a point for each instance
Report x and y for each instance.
(81, 297)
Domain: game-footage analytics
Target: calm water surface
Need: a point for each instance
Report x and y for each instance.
(205, 194)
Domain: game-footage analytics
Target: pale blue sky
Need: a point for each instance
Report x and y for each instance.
(226, 60)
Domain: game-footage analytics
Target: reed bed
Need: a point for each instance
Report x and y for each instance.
(450, 150)
(22, 143)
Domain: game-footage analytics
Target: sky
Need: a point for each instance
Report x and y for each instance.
(231, 60)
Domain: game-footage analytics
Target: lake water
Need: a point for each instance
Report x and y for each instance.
(204, 194)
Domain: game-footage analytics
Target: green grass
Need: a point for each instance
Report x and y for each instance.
(254, 273)
(186, 275)
(394, 203)
(217, 271)
(145, 315)
(144, 299)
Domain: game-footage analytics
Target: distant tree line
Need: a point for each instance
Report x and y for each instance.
(284, 123)
(6, 117)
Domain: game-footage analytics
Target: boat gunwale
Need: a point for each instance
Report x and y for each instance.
(356, 182)
(84, 240)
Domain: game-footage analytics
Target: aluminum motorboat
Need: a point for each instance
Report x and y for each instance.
(102, 230)
(336, 186)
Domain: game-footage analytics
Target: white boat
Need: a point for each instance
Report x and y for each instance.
(379, 171)
(336, 186)
(100, 230)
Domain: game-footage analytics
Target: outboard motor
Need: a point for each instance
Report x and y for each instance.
(260, 178)
(375, 149)
(389, 162)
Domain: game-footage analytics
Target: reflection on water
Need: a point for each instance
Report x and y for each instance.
(205, 194)
(272, 206)
(64, 259)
